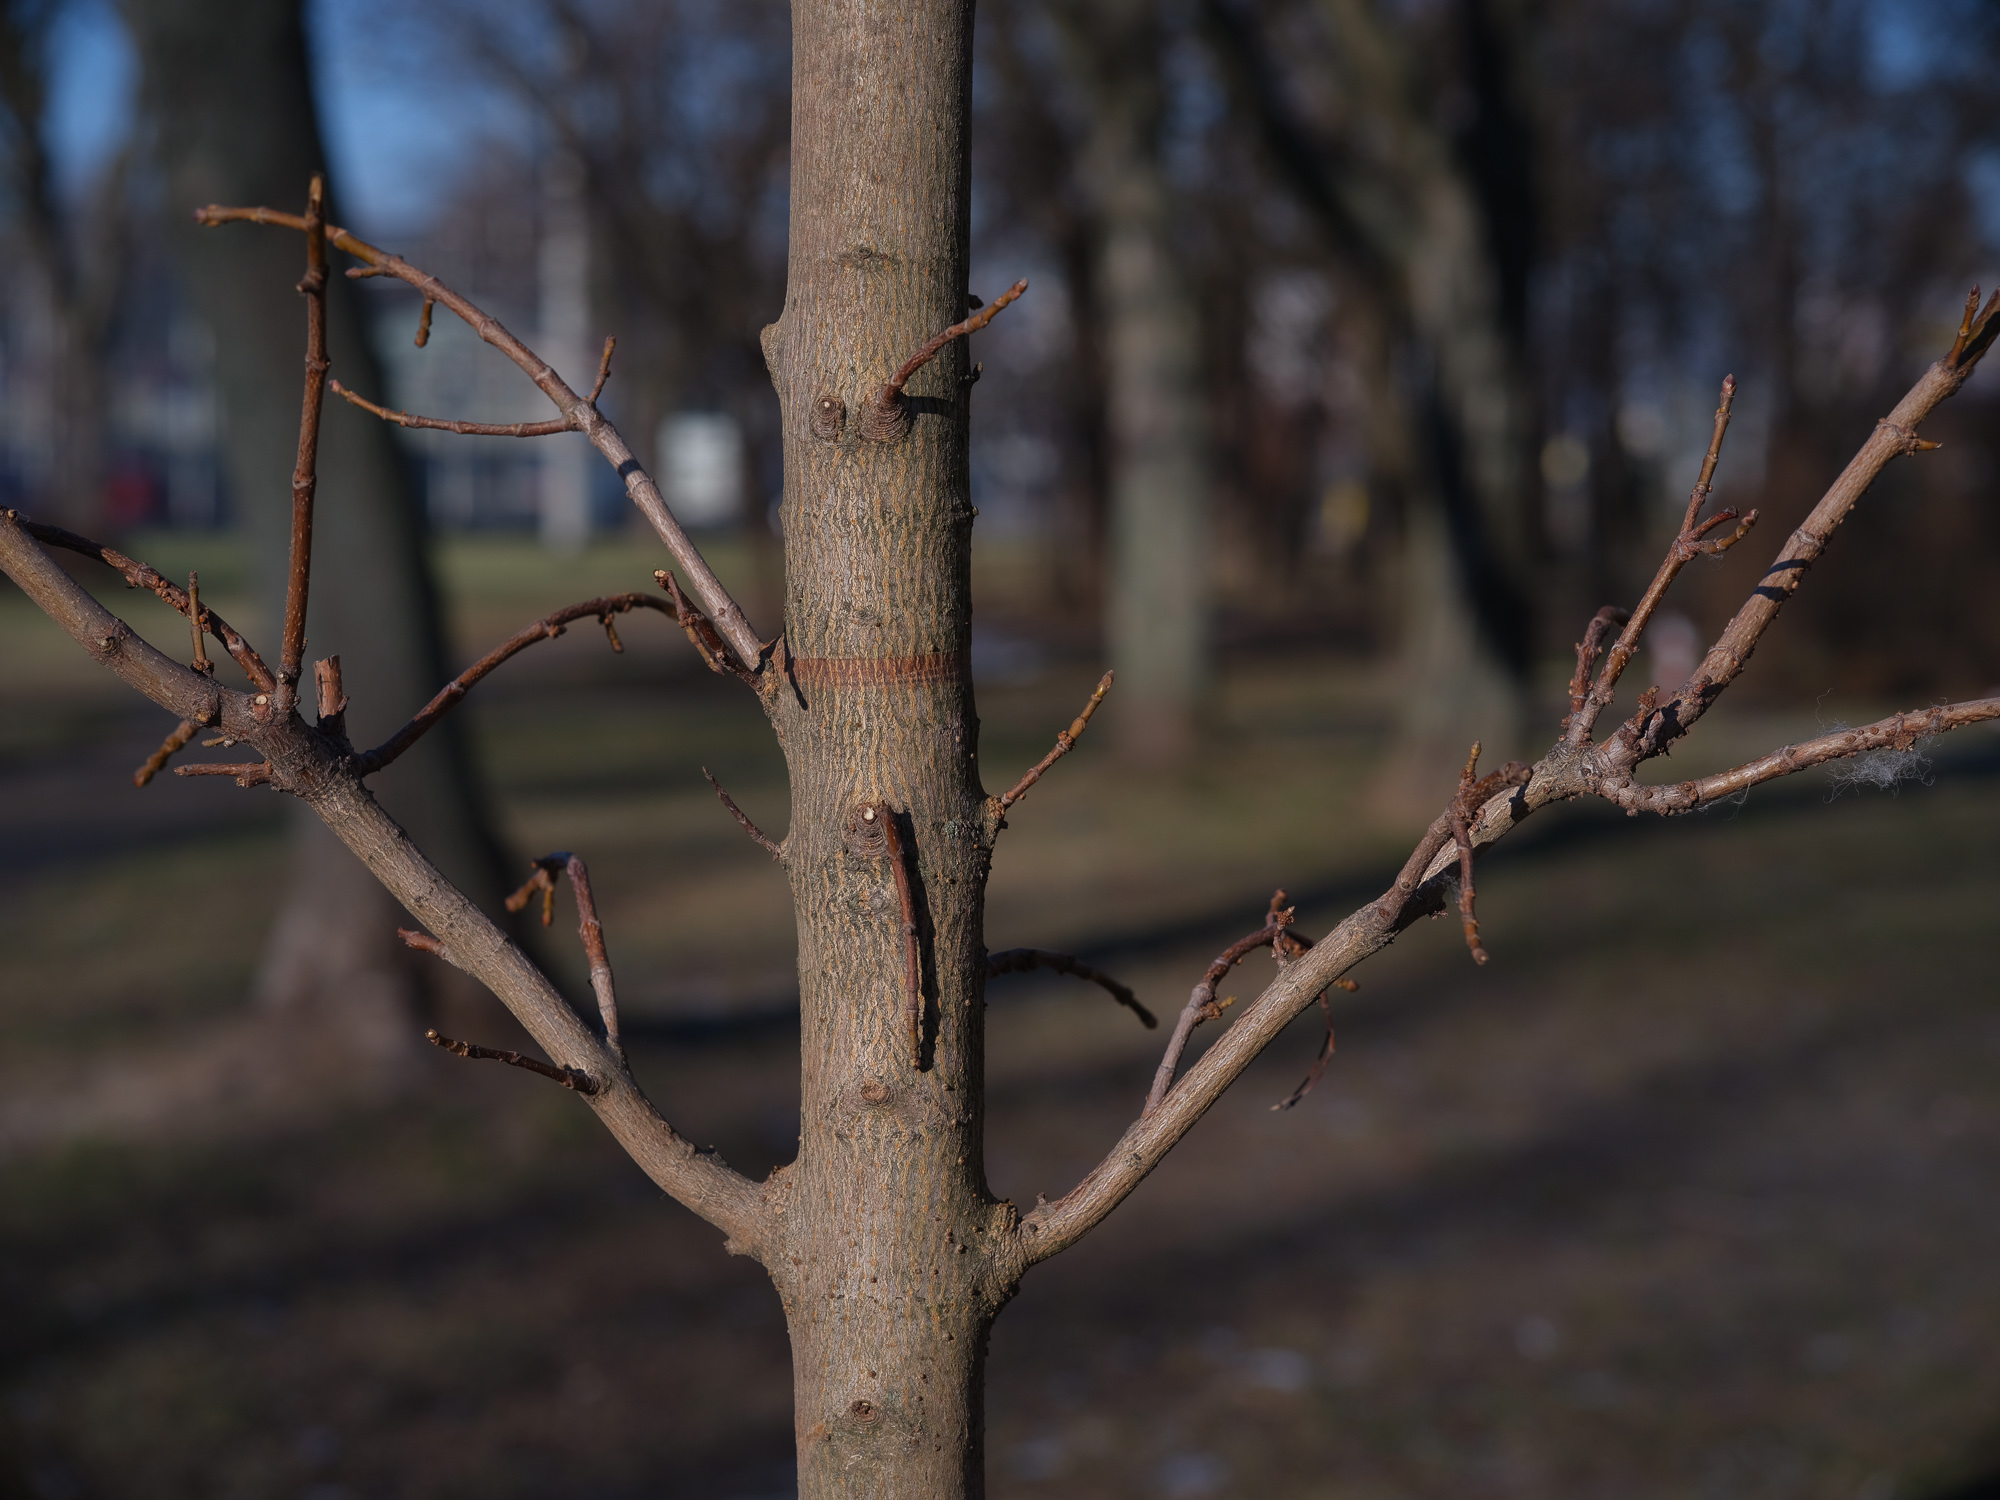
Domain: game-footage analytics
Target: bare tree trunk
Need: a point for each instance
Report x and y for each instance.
(228, 89)
(890, 1273)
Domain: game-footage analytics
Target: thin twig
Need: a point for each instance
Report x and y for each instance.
(702, 634)
(172, 745)
(332, 699)
(970, 325)
(201, 663)
(442, 424)
(1687, 545)
(603, 370)
(1065, 742)
(1020, 960)
(545, 629)
(639, 485)
(1975, 331)
(1898, 733)
(323, 776)
(1318, 1069)
(592, 936)
(543, 881)
(424, 323)
(305, 473)
(1588, 650)
(569, 1078)
(140, 576)
(1202, 1004)
(548, 869)
(423, 942)
(743, 819)
(247, 773)
(887, 414)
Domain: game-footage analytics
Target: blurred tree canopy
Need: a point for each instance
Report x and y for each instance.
(1461, 276)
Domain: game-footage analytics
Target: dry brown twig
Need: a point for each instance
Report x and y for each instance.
(702, 634)
(1065, 742)
(581, 413)
(172, 745)
(1021, 960)
(305, 473)
(140, 576)
(545, 629)
(887, 414)
(548, 869)
(569, 1078)
(774, 850)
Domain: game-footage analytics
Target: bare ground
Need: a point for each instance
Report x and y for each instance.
(1691, 1192)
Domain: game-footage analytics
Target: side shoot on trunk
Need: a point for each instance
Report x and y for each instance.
(889, 1253)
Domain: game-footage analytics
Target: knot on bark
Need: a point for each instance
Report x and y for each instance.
(868, 831)
(886, 417)
(829, 413)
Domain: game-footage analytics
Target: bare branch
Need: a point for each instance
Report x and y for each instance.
(1472, 795)
(545, 629)
(201, 663)
(603, 370)
(140, 576)
(701, 633)
(887, 414)
(1065, 742)
(1898, 732)
(441, 424)
(1318, 1069)
(1574, 767)
(305, 763)
(185, 693)
(970, 325)
(1021, 960)
(1202, 1004)
(1587, 651)
(424, 323)
(548, 869)
(305, 473)
(569, 1078)
(1687, 545)
(1975, 331)
(774, 850)
(639, 485)
(175, 742)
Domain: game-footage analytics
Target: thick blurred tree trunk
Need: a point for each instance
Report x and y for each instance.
(228, 92)
(1157, 600)
(70, 241)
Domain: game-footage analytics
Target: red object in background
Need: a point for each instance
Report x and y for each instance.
(132, 497)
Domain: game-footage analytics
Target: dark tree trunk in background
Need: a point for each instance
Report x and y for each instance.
(228, 91)
(70, 242)
(1432, 229)
(1157, 607)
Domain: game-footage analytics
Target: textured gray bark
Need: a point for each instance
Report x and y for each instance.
(894, 1262)
(228, 91)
